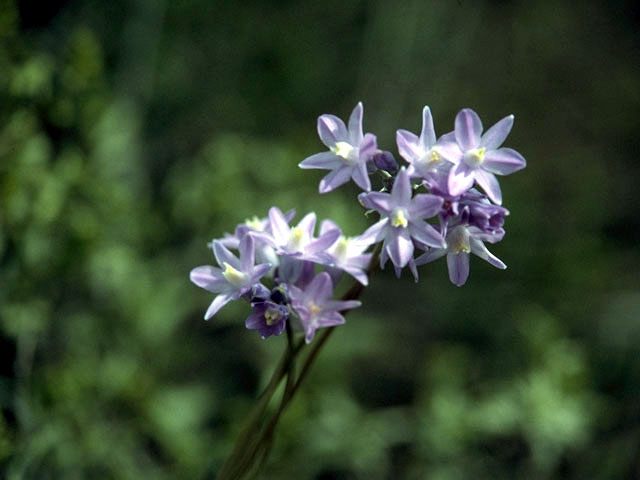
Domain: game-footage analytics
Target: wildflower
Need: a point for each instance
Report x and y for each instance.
(268, 317)
(235, 278)
(401, 221)
(314, 307)
(477, 157)
(349, 151)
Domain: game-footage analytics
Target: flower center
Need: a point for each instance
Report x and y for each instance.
(342, 248)
(233, 276)
(458, 240)
(313, 308)
(272, 315)
(474, 157)
(429, 160)
(399, 218)
(297, 239)
(347, 152)
(254, 223)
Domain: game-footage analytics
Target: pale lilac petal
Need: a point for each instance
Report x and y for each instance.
(358, 274)
(401, 190)
(426, 234)
(335, 178)
(408, 145)
(428, 134)
(496, 135)
(375, 232)
(458, 264)
(308, 224)
(430, 256)
(218, 302)
(259, 271)
(331, 130)
(460, 179)
(479, 249)
(247, 252)
(468, 129)
(327, 225)
(368, 147)
(330, 319)
(208, 277)
(253, 321)
(322, 243)
(355, 125)
(400, 247)
(320, 288)
(359, 261)
(414, 269)
(341, 305)
(490, 185)
(279, 226)
(323, 160)
(378, 201)
(223, 255)
(361, 177)
(503, 161)
(424, 205)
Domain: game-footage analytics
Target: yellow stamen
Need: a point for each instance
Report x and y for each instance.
(399, 218)
(254, 223)
(272, 316)
(233, 276)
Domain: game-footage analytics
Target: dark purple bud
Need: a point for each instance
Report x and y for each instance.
(385, 161)
(487, 217)
(280, 294)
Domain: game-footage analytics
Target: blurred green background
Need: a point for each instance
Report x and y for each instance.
(133, 132)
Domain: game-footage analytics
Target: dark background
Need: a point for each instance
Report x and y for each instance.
(133, 132)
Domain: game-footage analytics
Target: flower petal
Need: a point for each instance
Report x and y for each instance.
(448, 148)
(503, 161)
(223, 255)
(430, 256)
(408, 145)
(428, 133)
(479, 249)
(381, 202)
(247, 252)
(218, 302)
(327, 225)
(375, 232)
(490, 185)
(361, 177)
(426, 234)
(279, 226)
(208, 277)
(425, 205)
(323, 160)
(329, 319)
(322, 243)
(496, 135)
(320, 289)
(468, 129)
(399, 246)
(341, 305)
(368, 147)
(460, 179)
(401, 190)
(335, 178)
(355, 124)
(458, 264)
(331, 130)
(308, 224)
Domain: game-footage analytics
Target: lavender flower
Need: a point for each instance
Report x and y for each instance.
(462, 240)
(422, 153)
(268, 317)
(236, 277)
(401, 221)
(346, 254)
(477, 157)
(349, 151)
(314, 307)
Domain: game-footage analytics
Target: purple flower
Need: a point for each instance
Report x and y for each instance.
(347, 254)
(482, 214)
(268, 317)
(314, 307)
(422, 153)
(234, 279)
(477, 157)
(349, 151)
(462, 240)
(401, 221)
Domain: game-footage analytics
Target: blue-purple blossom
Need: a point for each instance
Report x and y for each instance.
(422, 153)
(346, 254)
(402, 219)
(385, 160)
(477, 157)
(315, 308)
(462, 240)
(268, 317)
(235, 278)
(349, 151)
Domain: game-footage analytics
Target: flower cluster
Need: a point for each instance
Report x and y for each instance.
(428, 208)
